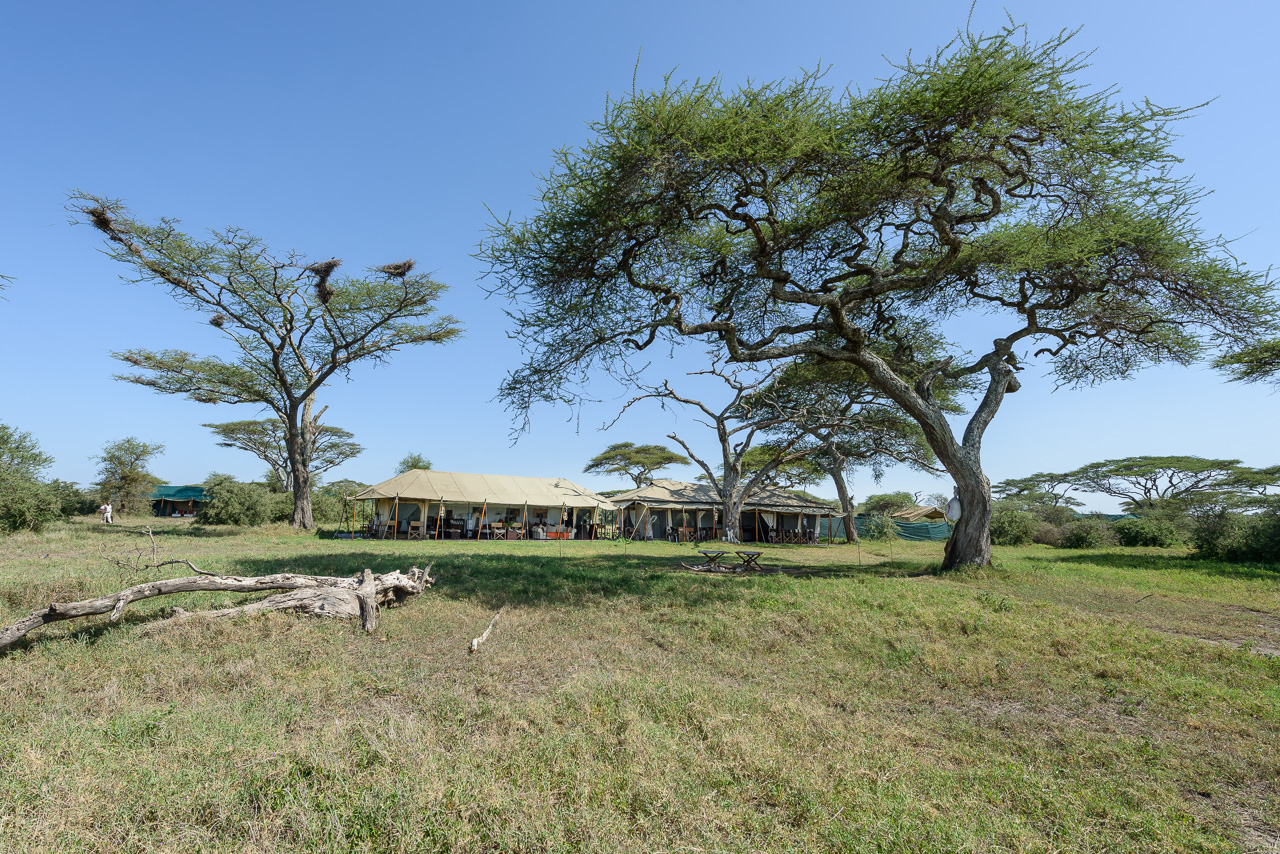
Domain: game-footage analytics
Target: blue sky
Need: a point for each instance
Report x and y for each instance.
(379, 131)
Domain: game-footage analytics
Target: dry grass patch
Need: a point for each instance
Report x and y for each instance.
(622, 704)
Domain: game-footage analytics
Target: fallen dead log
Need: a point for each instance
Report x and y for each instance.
(313, 595)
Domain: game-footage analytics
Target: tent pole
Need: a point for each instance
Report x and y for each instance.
(757, 521)
(395, 517)
(439, 517)
(524, 522)
(484, 507)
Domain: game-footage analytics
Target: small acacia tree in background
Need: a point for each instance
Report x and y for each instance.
(1150, 484)
(411, 462)
(783, 219)
(638, 462)
(330, 446)
(123, 478)
(291, 324)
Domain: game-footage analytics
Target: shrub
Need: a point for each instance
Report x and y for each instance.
(1087, 533)
(1047, 534)
(233, 503)
(326, 507)
(881, 528)
(26, 504)
(1058, 517)
(1010, 527)
(1238, 538)
(72, 500)
(1147, 532)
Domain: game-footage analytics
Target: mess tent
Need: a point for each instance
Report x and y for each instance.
(440, 505)
(690, 512)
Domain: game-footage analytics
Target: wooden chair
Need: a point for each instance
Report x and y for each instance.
(415, 531)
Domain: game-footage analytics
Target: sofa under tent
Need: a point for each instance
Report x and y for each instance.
(686, 512)
(426, 504)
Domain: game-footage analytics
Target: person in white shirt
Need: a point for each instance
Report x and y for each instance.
(105, 509)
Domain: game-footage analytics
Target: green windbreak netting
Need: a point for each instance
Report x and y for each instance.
(917, 531)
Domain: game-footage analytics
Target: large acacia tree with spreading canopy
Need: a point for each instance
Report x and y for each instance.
(786, 219)
(292, 324)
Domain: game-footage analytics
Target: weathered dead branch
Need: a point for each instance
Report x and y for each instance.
(313, 595)
(475, 642)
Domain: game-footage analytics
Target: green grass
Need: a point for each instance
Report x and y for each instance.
(1106, 700)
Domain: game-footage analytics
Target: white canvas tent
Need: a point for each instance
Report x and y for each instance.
(671, 508)
(455, 505)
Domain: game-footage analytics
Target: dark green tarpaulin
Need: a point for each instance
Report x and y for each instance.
(915, 531)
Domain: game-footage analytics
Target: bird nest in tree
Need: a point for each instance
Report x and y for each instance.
(399, 269)
(323, 269)
(218, 319)
(100, 218)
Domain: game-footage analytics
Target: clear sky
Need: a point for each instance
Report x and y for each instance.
(379, 131)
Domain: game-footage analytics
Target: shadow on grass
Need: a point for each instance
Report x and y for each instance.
(165, 530)
(1181, 562)
(497, 579)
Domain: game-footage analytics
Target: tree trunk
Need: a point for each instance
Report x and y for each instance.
(298, 441)
(846, 504)
(970, 542)
(302, 501)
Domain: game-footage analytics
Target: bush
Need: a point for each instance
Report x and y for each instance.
(1087, 533)
(72, 500)
(1238, 538)
(881, 528)
(1147, 532)
(326, 507)
(1047, 534)
(233, 503)
(26, 504)
(1010, 527)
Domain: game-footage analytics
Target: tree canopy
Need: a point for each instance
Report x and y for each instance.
(1146, 482)
(784, 219)
(413, 461)
(123, 478)
(330, 446)
(638, 462)
(1258, 362)
(292, 324)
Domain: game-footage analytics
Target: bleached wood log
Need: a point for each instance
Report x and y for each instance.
(315, 595)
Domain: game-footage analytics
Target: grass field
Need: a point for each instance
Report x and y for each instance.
(1110, 700)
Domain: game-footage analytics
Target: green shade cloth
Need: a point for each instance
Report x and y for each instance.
(178, 493)
(914, 531)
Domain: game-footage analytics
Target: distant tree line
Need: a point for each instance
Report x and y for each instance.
(1221, 508)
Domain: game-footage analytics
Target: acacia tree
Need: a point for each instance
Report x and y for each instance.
(292, 325)
(744, 467)
(330, 446)
(1145, 483)
(851, 424)
(783, 219)
(1043, 488)
(122, 473)
(638, 462)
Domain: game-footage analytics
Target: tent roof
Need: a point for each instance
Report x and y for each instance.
(677, 494)
(178, 493)
(430, 485)
(917, 514)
